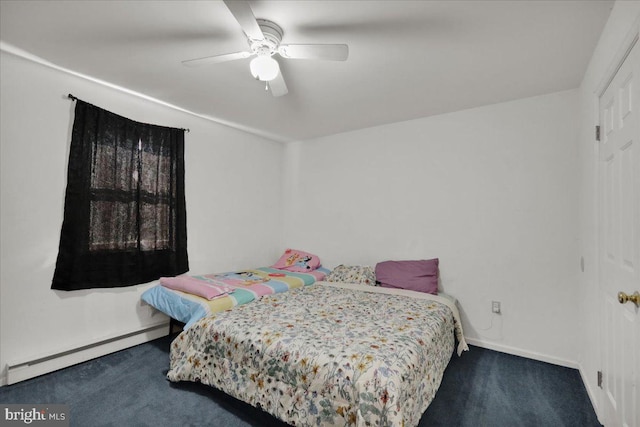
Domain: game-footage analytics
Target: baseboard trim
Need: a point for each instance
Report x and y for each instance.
(522, 353)
(593, 394)
(20, 371)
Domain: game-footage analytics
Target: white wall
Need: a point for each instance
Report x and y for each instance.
(491, 191)
(622, 26)
(229, 196)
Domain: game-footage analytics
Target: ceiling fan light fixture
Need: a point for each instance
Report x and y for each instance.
(264, 68)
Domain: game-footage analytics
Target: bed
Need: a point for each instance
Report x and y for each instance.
(330, 354)
(246, 286)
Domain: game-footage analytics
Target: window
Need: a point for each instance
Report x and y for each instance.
(125, 216)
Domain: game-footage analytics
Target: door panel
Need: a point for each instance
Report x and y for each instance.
(619, 223)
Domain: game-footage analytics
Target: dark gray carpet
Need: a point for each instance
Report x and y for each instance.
(129, 388)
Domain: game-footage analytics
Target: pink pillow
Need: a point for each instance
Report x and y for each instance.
(294, 260)
(421, 275)
(195, 286)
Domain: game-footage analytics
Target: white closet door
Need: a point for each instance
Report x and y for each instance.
(619, 252)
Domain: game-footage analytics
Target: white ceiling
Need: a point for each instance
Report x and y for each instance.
(407, 59)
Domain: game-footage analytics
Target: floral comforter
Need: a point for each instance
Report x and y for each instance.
(324, 355)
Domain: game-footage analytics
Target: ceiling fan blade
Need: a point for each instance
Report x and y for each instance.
(244, 15)
(330, 52)
(278, 86)
(215, 59)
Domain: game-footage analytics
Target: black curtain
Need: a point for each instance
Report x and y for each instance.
(124, 213)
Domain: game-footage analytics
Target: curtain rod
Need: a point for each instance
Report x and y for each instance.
(74, 98)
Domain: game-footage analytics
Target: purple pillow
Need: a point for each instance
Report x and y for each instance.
(419, 275)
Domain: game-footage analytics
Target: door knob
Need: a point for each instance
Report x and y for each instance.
(634, 298)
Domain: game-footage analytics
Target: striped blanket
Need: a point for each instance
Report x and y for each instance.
(247, 286)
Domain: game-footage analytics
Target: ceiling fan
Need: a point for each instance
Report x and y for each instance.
(264, 39)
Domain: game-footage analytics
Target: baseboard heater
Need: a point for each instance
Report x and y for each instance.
(21, 371)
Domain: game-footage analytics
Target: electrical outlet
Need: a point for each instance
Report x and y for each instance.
(495, 307)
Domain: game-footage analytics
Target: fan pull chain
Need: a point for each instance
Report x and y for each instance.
(266, 86)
